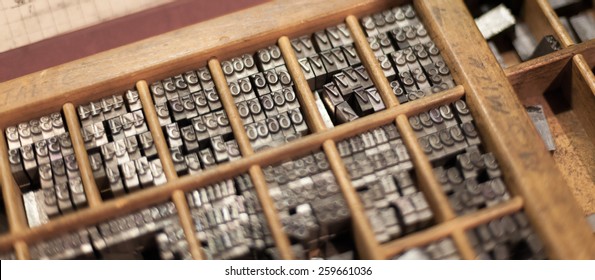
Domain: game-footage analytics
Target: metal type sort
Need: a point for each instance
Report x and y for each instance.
(44, 167)
(194, 123)
(151, 233)
(265, 97)
(444, 249)
(411, 61)
(342, 88)
(311, 207)
(229, 221)
(381, 173)
(540, 122)
(120, 146)
(5, 256)
(508, 237)
(470, 177)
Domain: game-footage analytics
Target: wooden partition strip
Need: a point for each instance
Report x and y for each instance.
(428, 183)
(365, 238)
(255, 171)
(371, 63)
(177, 196)
(535, 76)
(229, 105)
(463, 244)
(304, 94)
(270, 212)
(187, 224)
(156, 131)
(137, 200)
(82, 158)
(540, 15)
(461, 223)
(21, 250)
(13, 201)
(547, 14)
(528, 168)
(583, 94)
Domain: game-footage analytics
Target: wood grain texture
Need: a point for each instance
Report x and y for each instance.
(528, 169)
(542, 20)
(535, 76)
(575, 151)
(583, 93)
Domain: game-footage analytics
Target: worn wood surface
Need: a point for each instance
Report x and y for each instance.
(507, 130)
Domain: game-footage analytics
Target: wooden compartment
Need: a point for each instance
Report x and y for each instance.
(535, 180)
(567, 100)
(536, 16)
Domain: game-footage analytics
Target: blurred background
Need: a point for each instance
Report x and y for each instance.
(38, 34)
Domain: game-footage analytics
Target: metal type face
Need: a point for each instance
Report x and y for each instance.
(507, 237)
(540, 122)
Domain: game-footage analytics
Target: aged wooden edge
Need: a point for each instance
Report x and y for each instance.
(583, 94)
(444, 229)
(537, 17)
(546, 22)
(506, 129)
(13, 203)
(301, 146)
(535, 76)
(171, 53)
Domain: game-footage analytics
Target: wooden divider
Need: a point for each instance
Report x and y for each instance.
(82, 159)
(506, 129)
(13, 202)
(178, 197)
(255, 171)
(546, 15)
(371, 63)
(365, 237)
(427, 181)
(304, 94)
(583, 93)
(535, 76)
(460, 224)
